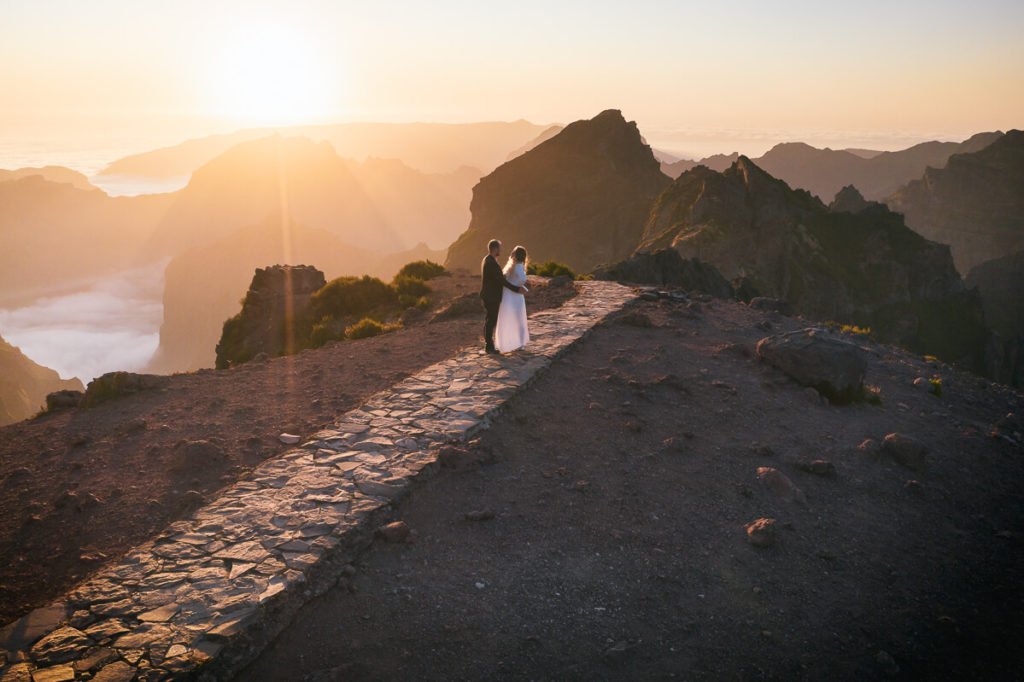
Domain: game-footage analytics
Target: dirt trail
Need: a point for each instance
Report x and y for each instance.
(620, 484)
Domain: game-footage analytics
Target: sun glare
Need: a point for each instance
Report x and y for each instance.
(268, 76)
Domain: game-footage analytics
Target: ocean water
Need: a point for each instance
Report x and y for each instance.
(111, 324)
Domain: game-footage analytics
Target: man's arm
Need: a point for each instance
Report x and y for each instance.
(496, 274)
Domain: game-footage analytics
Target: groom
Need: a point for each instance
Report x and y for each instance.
(491, 282)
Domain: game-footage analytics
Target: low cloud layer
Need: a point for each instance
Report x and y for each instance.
(112, 325)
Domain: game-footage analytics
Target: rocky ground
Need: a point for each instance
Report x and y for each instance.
(80, 487)
(598, 529)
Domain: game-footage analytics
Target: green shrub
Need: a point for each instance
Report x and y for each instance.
(351, 297)
(421, 269)
(410, 286)
(936, 386)
(325, 330)
(551, 269)
(368, 327)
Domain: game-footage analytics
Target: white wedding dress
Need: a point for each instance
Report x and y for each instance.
(512, 331)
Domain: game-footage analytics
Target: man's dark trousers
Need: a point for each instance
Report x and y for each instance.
(491, 307)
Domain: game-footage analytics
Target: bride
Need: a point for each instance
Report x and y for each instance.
(512, 332)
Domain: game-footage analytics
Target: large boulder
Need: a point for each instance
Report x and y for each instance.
(114, 385)
(816, 358)
(273, 308)
(665, 267)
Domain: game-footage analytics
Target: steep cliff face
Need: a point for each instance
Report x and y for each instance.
(975, 204)
(865, 267)
(1001, 287)
(580, 198)
(24, 385)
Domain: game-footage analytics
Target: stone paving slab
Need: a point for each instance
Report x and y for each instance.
(202, 599)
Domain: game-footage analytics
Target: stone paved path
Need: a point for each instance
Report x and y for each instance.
(202, 599)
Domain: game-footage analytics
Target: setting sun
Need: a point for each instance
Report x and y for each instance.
(268, 75)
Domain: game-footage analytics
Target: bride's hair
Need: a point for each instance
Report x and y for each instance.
(518, 255)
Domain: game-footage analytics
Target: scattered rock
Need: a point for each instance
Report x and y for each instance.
(906, 451)
(480, 515)
(779, 485)
(396, 531)
(289, 438)
(761, 532)
(459, 458)
(814, 358)
(887, 663)
(196, 455)
(560, 281)
(775, 305)
(870, 447)
(819, 467)
(412, 315)
(635, 318)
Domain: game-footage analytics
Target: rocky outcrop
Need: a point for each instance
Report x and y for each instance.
(975, 204)
(865, 268)
(580, 198)
(814, 358)
(275, 303)
(115, 385)
(665, 267)
(25, 384)
(1001, 287)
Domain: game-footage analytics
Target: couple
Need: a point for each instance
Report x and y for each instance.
(502, 293)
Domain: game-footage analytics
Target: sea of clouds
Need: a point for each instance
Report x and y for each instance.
(110, 324)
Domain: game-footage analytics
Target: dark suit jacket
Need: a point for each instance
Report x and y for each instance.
(492, 280)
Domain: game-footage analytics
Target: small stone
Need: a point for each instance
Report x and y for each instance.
(870, 447)
(289, 438)
(480, 515)
(779, 485)
(887, 663)
(905, 450)
(819, 467)
(396, 531)
(761, 532)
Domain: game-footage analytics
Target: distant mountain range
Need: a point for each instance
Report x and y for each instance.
(25, 384)
(51, 173)
(823, 172)
(427, 147)
(975, 203)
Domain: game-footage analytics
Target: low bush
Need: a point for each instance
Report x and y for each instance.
(411, 286)
(421, 269)
(367, 327)
(351, 296)
(551, 269)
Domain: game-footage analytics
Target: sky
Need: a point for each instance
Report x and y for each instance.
(692, 74)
